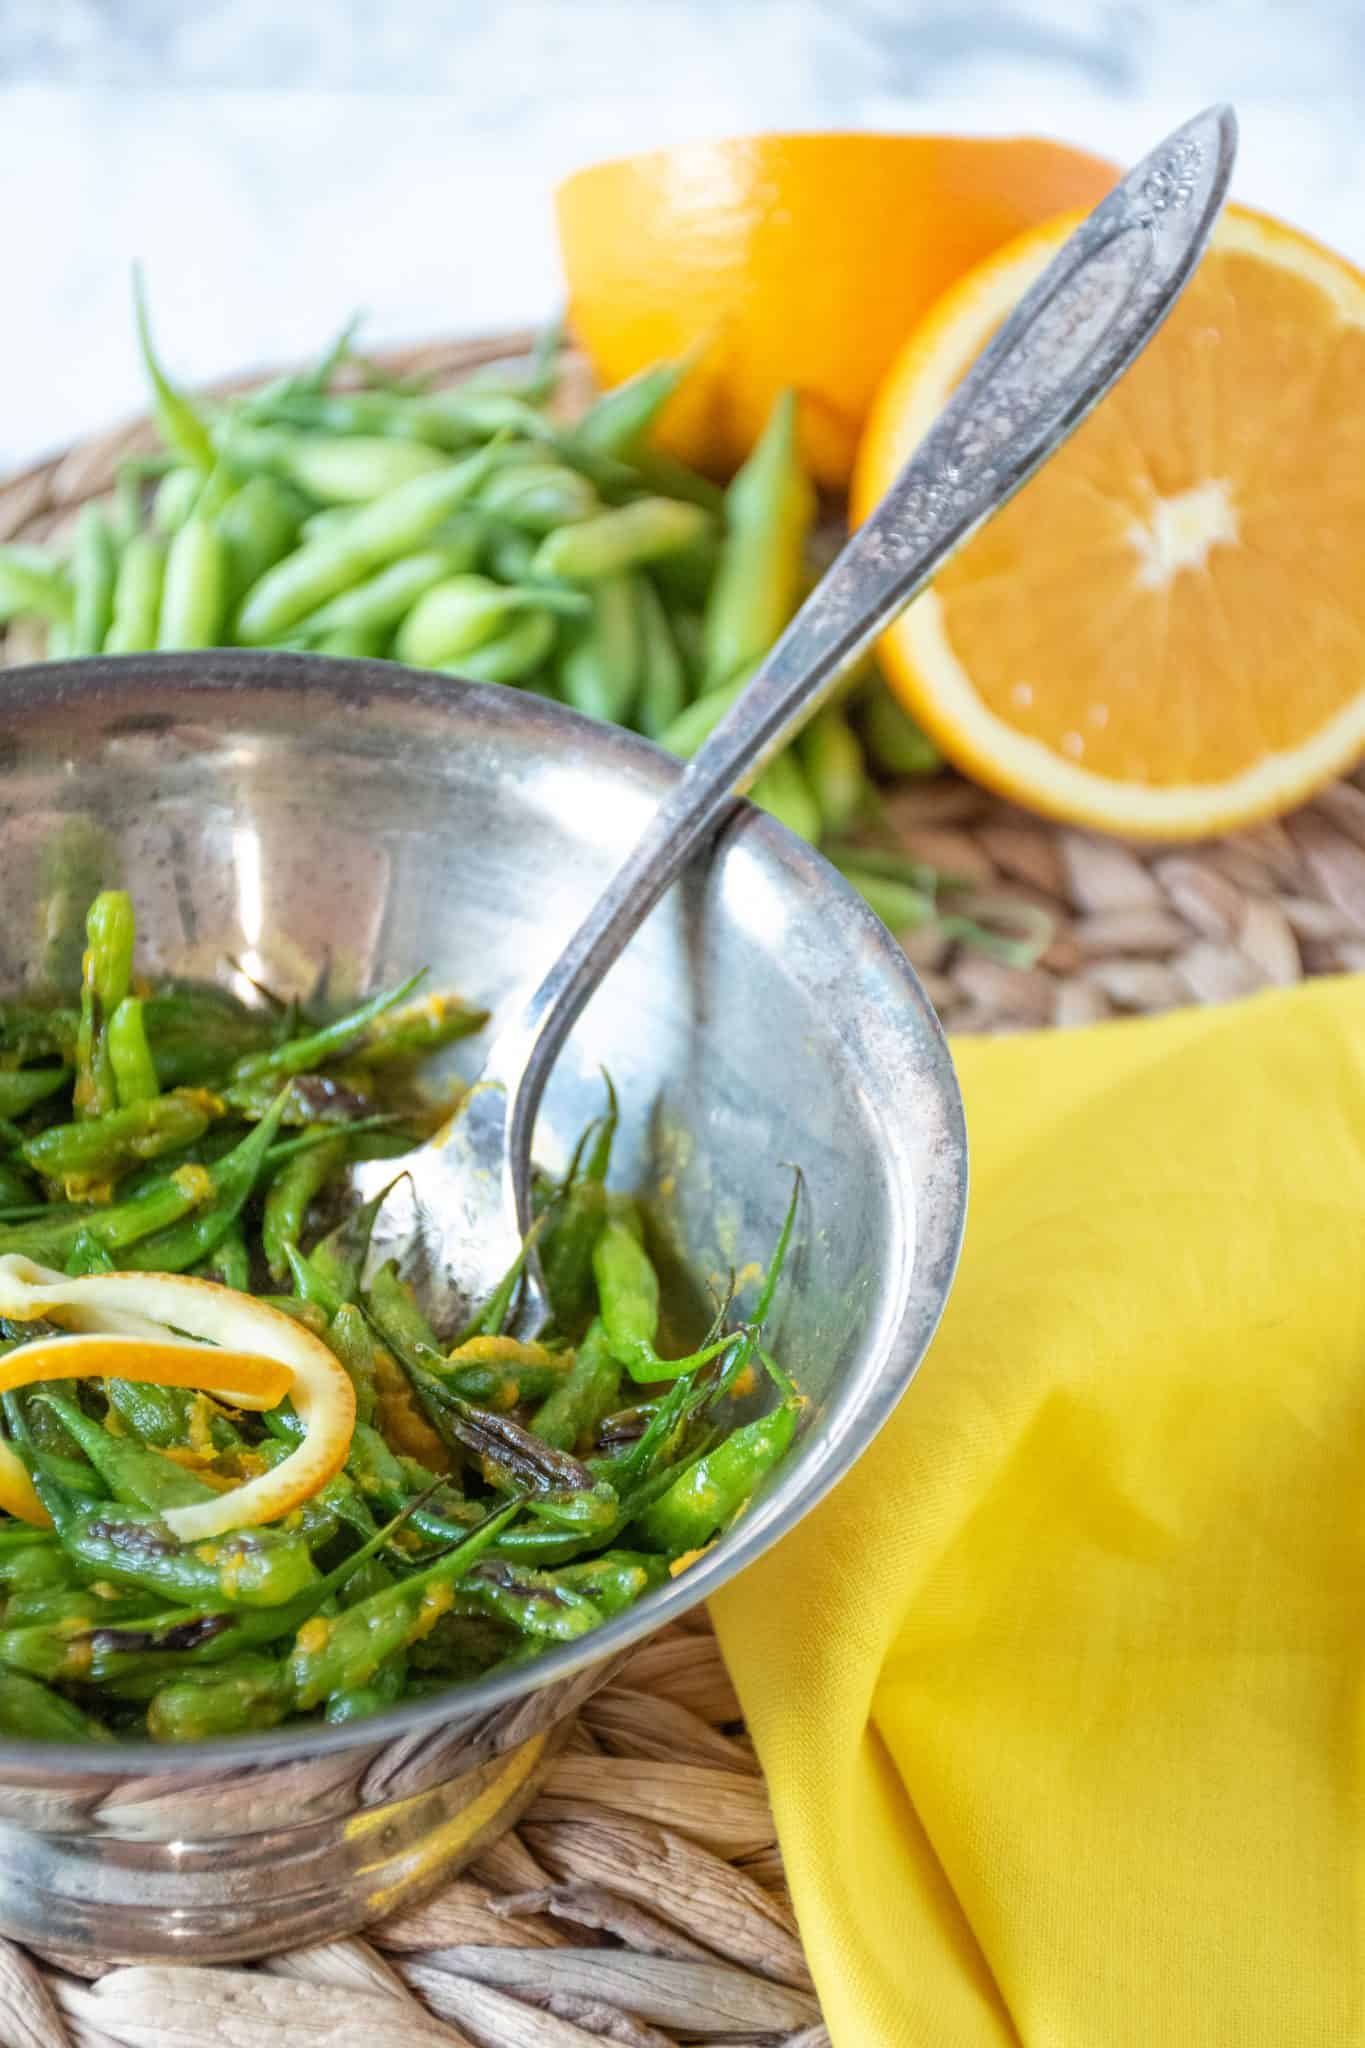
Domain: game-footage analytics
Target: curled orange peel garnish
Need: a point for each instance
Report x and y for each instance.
(167, 1329)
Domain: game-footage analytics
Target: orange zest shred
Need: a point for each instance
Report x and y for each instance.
(401, 1420)
(687, 1560)
(118, 1325)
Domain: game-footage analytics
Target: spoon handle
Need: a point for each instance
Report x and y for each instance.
(1071, 337)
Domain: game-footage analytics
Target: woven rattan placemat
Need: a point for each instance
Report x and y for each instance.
(642, 1899)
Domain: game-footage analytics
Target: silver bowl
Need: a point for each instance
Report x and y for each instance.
(349, 821)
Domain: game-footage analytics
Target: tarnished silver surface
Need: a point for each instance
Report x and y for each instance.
(465, 1205)
(342, 823)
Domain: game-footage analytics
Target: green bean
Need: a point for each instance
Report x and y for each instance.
(87, 1256)
(510, 657)
(446, 420)
(529, 1601)
(511, 554)
(255, 1694)
(695, 725)
(135, 1077)
(309, 1285)
(538, 496)
(769, 509)
(658, 471)
(783, 791)
(663, 675)
(538, 382)
(334, 1507)
(137, 596)
(106, 972)
(417, 1030)
(197, 1233)
(299, 1055)
(134, 1475)
(380, 532)
(339, 1257)
(375, 1469)
(132, 1546)
(290, 1193)
(301, 383)
(145, 1215)
(455, 616)
(482, 413)
(179, 420)
(30, 1712)
(229, 1263)
(359, 1702)
(196, 1033)
(499, 1372)
(349, 1336)
(32, 583)
(714, 1487)
(350, 1647)
(615, 1579)
(246, 1568)
(48, 1649)
(900, 905)
(628, 1291)
(259, 525)
(159, 1415)
(194, 596)
(511, 1456)
(619, 420)
(175, 500)
(88, 1155)
(30, 1031)
(686, 579)
(832, 761)
(624, 538)
(328, 523)
(580, 1510)
(32, 1560)
(393, 1306)
(348, 469)
(352, 643)
(180, 1643)
(126, 514)
(94, 569)
(17, 1192)
(894, 741)
(383, 600)
(573, 1226)
(600, 673)
(354, 415)
(22, 1087)
(591, 1389)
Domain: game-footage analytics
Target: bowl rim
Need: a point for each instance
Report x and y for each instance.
(48, 692)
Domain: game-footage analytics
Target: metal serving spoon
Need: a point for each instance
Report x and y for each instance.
(456, 1221)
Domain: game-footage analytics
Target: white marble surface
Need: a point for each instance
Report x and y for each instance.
(275, 163)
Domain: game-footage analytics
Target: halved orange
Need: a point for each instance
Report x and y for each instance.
(791, 260)
(1164, 633)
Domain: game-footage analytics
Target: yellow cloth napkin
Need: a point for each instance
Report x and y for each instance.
(1059, 1695)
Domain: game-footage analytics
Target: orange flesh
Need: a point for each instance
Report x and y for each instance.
(1174, 604)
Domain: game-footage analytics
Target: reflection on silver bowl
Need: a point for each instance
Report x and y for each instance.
(354, 820)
